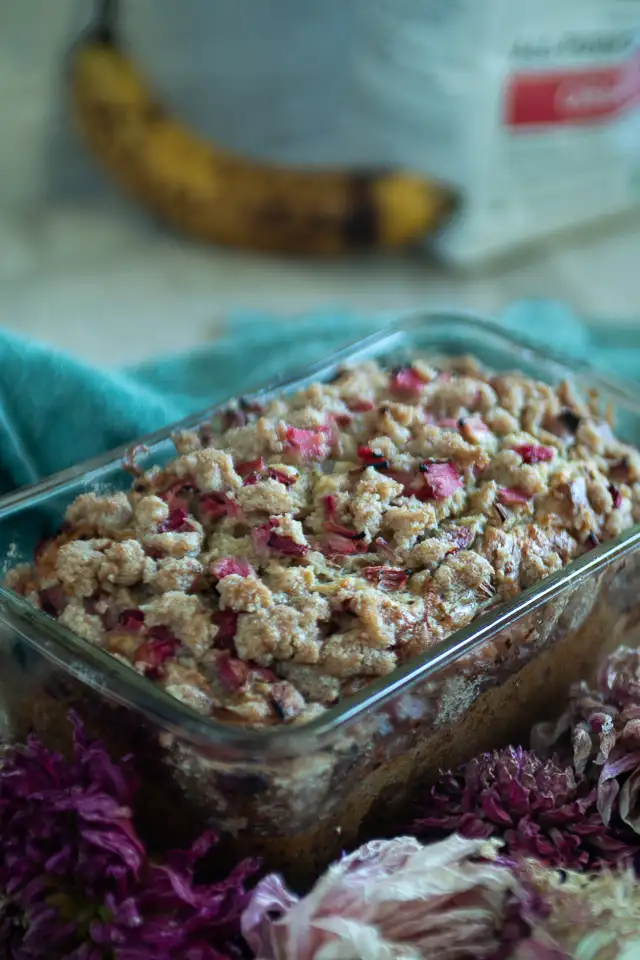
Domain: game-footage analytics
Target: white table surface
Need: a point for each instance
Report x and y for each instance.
(107, 287)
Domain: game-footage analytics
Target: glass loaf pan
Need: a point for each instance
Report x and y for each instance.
(298, 795)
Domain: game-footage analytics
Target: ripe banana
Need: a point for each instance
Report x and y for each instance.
(215, 196)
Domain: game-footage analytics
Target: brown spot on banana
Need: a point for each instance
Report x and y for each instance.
(361, 226)
(217, 197)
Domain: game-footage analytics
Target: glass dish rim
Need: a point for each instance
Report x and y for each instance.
(126, 687)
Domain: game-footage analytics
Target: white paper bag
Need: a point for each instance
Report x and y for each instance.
(531, 108)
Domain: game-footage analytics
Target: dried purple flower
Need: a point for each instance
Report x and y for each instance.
(601, 727)
(77, 879)
(537, 807)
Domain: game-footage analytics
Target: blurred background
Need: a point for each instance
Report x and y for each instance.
(552, 199)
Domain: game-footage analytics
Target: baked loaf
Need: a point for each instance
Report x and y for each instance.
(305, 545)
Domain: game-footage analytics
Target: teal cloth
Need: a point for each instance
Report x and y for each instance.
(56, 411)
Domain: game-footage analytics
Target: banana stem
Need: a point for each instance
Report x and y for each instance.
(102, 30)
(106, 19)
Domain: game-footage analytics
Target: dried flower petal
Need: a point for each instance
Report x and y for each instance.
(629, 801)
(602, 727)
(619, 679)
(269, 901)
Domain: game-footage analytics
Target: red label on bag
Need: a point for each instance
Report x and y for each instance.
(572, 96)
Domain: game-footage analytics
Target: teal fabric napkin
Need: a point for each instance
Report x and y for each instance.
(56, 411)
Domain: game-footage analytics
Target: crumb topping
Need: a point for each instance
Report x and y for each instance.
(302, 547)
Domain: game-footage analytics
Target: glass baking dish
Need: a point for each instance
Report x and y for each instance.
(299, 794)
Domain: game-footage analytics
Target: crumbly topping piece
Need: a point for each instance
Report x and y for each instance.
(169, 573)
(104, 516)
(78, 565)
(186, 616)
(210, 470)
(265, 496)
(126, 563)
(303, 545)
(86, 625)
(244, 594)
(281, 633)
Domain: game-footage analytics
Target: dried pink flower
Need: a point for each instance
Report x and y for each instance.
(398, 900)
(602, 726)
(537, 807)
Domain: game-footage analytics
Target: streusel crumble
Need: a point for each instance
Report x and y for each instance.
(320, 539)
